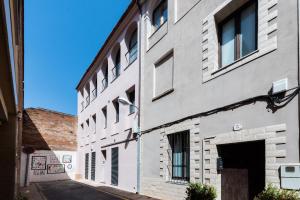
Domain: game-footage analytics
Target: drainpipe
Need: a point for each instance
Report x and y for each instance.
(138, 181)
(298, 57)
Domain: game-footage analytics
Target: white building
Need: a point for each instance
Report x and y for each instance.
(107, 142)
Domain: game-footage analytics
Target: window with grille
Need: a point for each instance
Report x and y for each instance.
(180, 155)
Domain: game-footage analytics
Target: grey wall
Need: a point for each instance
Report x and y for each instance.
(192, 96)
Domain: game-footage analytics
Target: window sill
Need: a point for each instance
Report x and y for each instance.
(235, 62)
(115, 79)
(131, 113)
(157, 29)
(115, 134)
(178, 182)
(238, 63)
(163, 94)
(129, 64)
(103, 138)
(104, 89)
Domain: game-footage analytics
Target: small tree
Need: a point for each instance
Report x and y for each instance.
(197, 191)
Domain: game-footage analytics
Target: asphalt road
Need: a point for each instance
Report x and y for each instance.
(70, 190)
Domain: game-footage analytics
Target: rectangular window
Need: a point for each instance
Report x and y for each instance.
(238, 34)
(180, 151)
(160, 14)
(117, 109)
(131, 98)
(104, 111)
(94, 123)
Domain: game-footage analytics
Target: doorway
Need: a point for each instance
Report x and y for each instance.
(102, 166)
(114, 166)
(243, 173)
(93, 166)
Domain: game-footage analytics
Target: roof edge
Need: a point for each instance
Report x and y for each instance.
(125, 14)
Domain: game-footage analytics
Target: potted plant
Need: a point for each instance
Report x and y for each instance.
(197, 191)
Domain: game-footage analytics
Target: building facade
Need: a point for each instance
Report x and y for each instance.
(49, 146)
(212, 111)
(218, 101)
(107, 144)
(11, 95)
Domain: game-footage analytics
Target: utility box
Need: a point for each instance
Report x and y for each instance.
(290, 176)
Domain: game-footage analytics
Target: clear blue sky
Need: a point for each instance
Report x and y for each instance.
(61, 39)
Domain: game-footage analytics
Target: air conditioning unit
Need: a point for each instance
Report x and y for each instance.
(290, 176)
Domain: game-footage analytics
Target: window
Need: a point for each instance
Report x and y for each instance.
(82, 126)
(87, 122)
(94, 123)
(238, 34)
(87, 98)
(160, 14)
(133, 47)
(94, 92)
(180, 154)
(104, 111)
(131, 98)
(105, 76)
(117, 68)
(117, 109)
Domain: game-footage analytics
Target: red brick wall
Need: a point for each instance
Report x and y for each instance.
(49, 130)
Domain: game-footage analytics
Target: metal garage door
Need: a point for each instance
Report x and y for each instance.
(114, 166)
(93, 166)
(86, 166)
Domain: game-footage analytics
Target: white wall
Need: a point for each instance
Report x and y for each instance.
(46, 168)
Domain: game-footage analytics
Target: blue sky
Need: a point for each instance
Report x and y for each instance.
(61, 39)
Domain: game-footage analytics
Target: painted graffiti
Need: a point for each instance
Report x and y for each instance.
(39, 172)
(67, 159)
(55, 168)
(38, 162)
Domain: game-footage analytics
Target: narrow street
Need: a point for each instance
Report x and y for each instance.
(70, 190)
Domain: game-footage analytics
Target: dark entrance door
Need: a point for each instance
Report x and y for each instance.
(114, 166)
(243, 176)
(86, 166)
(93, 166)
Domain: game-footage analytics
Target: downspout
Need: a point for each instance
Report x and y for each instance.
(138, 184)
(298, 63)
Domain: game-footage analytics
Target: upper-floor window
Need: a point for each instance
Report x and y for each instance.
(95, 90)
(87, 98)
(82, 127)
(117, 69)
(131, 98)
(104, 70)
(180, 151)
(238, 34)
(133, 47)
(104, 111)
(117, 109)
(160, 14)
(94, 118)
(87, 124)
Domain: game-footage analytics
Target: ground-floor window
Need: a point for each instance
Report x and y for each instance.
(180, 155)
(86, 166)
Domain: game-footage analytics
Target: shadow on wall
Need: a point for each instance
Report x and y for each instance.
(32, 137)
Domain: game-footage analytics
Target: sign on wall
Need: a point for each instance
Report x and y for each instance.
(38, 163)
(39, 172)
(55, 168)
(67, 159)
(54, 159)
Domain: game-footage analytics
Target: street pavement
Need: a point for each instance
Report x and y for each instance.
(71, 190)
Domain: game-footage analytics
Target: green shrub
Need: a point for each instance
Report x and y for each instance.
(21, 197)
(274, 193)
(197, 191)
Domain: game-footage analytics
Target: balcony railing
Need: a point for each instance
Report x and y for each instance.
(87, 101)
(94, 94)
(131, 55)
(104, 83)
(116, 71)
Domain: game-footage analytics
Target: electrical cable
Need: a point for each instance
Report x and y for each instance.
(274, 101)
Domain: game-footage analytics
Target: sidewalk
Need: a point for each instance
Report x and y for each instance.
(32, 192)
(116, 192)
